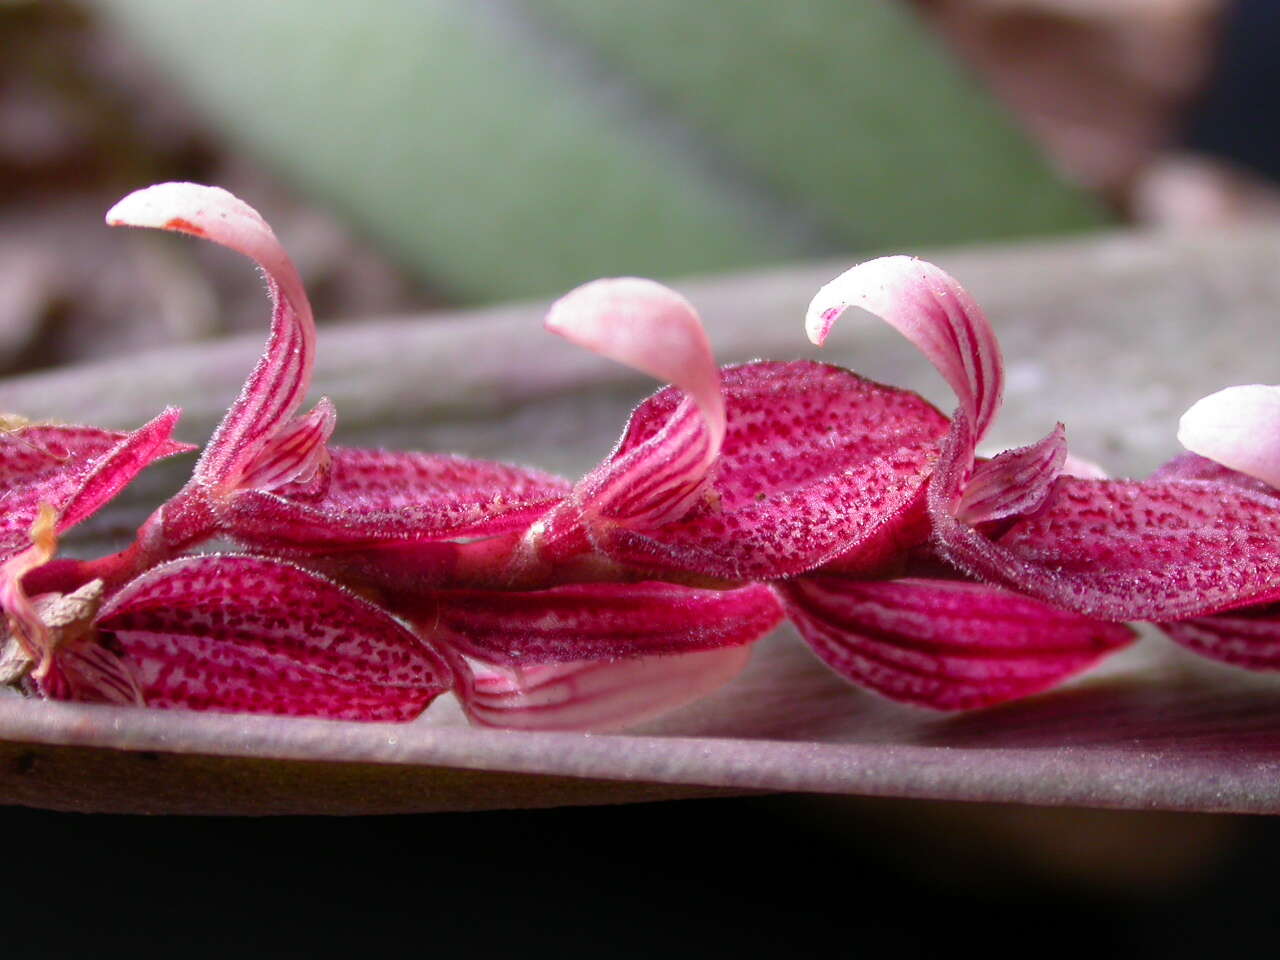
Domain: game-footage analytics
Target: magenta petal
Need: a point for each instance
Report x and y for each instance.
(114, 471)
(817, 463)
(941, 643)
(653, 329)
(1122, 549)
(374, 497)
(295, 453)
(75, 470)
(1015, 482)
(928, 307)
(1248, 637)
(600, 621)
(279, 382)
(596, 695)
(238, 633)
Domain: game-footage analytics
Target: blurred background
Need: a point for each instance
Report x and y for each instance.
(414, 154)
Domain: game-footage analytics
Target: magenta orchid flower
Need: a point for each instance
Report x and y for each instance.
(1112, 549)
(812, 479)
(374, 581)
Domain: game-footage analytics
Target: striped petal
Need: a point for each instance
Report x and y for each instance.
(279, 382)
(599, 621)
(944, 644)
(596, 695)
(928, 307)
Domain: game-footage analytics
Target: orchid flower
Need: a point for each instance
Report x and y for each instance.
(1169, 548)
(812, 479)
(270, 480)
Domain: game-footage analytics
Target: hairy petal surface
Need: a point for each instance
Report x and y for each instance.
(239, 633)
(1238, 427)
(650, 328)
(1123, 549)
(944, 644)
(817, 462)
(600, 621)
(373, 497)
(1248, 637)
(1014, 482)
(279, 382)
(928, 307)
(73, 470)
(596, 695)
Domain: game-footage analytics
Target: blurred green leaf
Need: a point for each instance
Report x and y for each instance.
(518, 147)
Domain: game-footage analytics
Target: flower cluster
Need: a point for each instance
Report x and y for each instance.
(366, 583)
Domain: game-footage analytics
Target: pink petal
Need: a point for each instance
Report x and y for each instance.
(117, 468)
(599, 621)
(929, 308)
(1123, 549)
(1248, 637)
(944, 644)
(650, 328)
(238, 633)
(75, 470)
(646, 326)
(817, 463)
(597, 695)
(279, 382)
(1238, 427)
(1015, 482)
(296, 453)
(375, 497)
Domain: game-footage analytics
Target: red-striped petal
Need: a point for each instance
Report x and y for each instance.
(279, 382)
(599, 621)
(928, 307)
(596, 695)
(944, 644)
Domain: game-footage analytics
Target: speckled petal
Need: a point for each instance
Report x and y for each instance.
(238, 633)
(374, 497)
(817, 463)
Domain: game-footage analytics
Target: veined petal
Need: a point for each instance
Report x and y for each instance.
(239, 633)
(817, 463)
(1238, 427)
(944, 644)
(117, 468)
(596, 695)
(374, 497)
(1122, 549)
(599, 621)
(1014, 482)
(928, 307)
(295, 453)
(74, 470)
(279, 382)
(1248, 637)
(650, 328)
